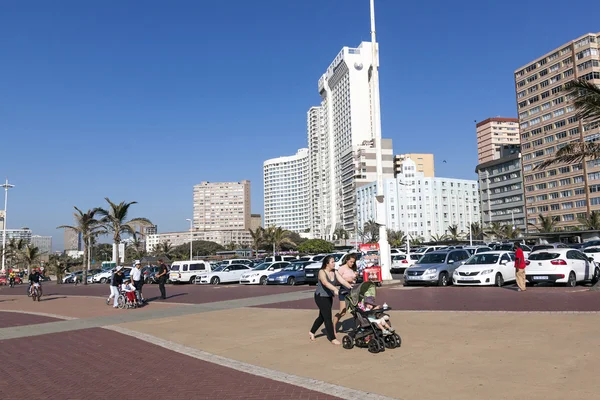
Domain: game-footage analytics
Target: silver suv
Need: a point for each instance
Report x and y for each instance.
(435, 268)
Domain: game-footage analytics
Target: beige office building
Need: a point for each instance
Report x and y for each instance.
(495, 134)
(222, 206)
(548, 121)
(423, 162)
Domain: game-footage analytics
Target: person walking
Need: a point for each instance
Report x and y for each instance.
(115, 283)
(328, 279)
(138, 281)
(163, 270)
(349, 272)
(520, 268)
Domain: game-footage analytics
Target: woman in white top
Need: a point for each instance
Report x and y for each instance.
(349, 273)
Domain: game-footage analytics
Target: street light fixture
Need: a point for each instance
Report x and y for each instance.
(191, 238)
(6, 186)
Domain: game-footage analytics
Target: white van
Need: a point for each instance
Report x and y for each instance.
(186, 271)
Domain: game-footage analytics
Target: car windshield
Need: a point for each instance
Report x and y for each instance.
(543, 256)
(318, 258)
(542, 247)
(483, 259)
(337, 256)
(415, 256)
(421, 250)
(432, 258)
(262, 266)
(304, 259)
(219, 268)
(505, 247)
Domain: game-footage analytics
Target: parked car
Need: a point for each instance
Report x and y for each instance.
(426, 249)
(594, 252)
(237, 261)
(260, 274)
(291, 275)
(315, 258)
(488, 268)
(561, 265)
(476, 249)
(511, 247)
(435, 268)
(187, 271)
(311, 272)
(224, 274)
(150, 274)
(548, 246)
(279, 258)
(585, 245)
(400, 262)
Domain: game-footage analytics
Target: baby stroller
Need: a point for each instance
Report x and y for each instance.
(366, 333)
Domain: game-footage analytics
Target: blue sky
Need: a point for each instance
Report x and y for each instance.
(140, 100)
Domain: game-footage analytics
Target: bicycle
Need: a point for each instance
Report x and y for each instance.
(36, 293)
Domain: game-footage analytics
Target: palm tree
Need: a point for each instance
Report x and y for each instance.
(438, 238)
(371, 231)
(30, 256)
(14, 250)
(547, 224)
(495, 229)
(476, 231)
(453, 232)
(396, 238)
(114, 220)
(257, 236)
(137, 249)
(164, 248)
(276, 236)
(341, 233)
(508, 231)
(87, 226)
(591, 222)
(586, 99)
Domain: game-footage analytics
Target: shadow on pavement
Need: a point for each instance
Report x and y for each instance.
(156, 298)
(44, 298)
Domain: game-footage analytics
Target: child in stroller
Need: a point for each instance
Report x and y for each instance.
(367, 305)
(372, 327)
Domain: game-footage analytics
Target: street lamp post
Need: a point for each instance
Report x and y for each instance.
(384, 246)
(6, 186)
(191, 238)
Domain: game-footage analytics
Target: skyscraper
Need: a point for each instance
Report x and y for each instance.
(337, 131)
(286, 192)
(493, 134)
(548, 121)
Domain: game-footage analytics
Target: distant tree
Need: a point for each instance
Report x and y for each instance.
(31, 255)
(547, 224)
(257, 236)
(438, 238)
(453, 232)
(396, 238)
(315, 246)
(340, 234)
(591, 222)
(371, 231)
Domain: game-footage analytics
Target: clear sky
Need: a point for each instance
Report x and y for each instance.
(140, 100)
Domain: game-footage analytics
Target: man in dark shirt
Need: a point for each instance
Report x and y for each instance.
(162, 278)
(34, 280)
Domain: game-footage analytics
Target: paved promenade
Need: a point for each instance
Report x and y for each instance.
(232, 342)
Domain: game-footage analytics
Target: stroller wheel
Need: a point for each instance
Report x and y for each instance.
(398, 340)
(373, 346)
(389, 342)
(382, 345)
(347, 342)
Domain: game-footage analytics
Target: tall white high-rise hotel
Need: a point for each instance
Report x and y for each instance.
(336, 130)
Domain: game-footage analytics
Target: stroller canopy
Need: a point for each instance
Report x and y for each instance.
(359, 292)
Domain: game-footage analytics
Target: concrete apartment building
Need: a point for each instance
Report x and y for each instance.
(337, 131)
(493, 134)
(44, 243)
(548, 121)
(422, 206)
(423, 162)
(501, 189)
(287, 192)
(222, 206)
(255, 221)
(72, 240)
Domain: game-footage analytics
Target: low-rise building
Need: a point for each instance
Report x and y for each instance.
(223, 238)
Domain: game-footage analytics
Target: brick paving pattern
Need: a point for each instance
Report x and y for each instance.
(100, 364)
(475, 299)
(8, 319)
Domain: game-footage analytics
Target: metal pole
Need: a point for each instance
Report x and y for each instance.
(191, 238)
(6, 186)
(471, 225)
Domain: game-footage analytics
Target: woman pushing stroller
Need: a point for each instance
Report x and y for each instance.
(328, 279)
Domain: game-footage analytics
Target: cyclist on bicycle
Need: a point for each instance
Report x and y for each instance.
(34, 280)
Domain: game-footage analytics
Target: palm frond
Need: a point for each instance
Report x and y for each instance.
(586, 99)
(572, 153)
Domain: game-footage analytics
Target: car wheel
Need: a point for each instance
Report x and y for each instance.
(192, 279)
(215, 280)
(596, 276)
(572, 282)
(499, 280)
(103, 280)
(291, 281)
(443, 279)
(263, 280)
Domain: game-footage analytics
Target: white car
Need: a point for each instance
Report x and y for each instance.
(561, 265)
(487, 268)
(400, 262)
(224, 274)
(259, 274)
(102, 277)
(594, 252)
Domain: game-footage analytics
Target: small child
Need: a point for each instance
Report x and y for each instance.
(129, 290)
(369, 304)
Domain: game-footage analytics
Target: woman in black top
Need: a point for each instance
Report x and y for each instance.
(116, 282)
